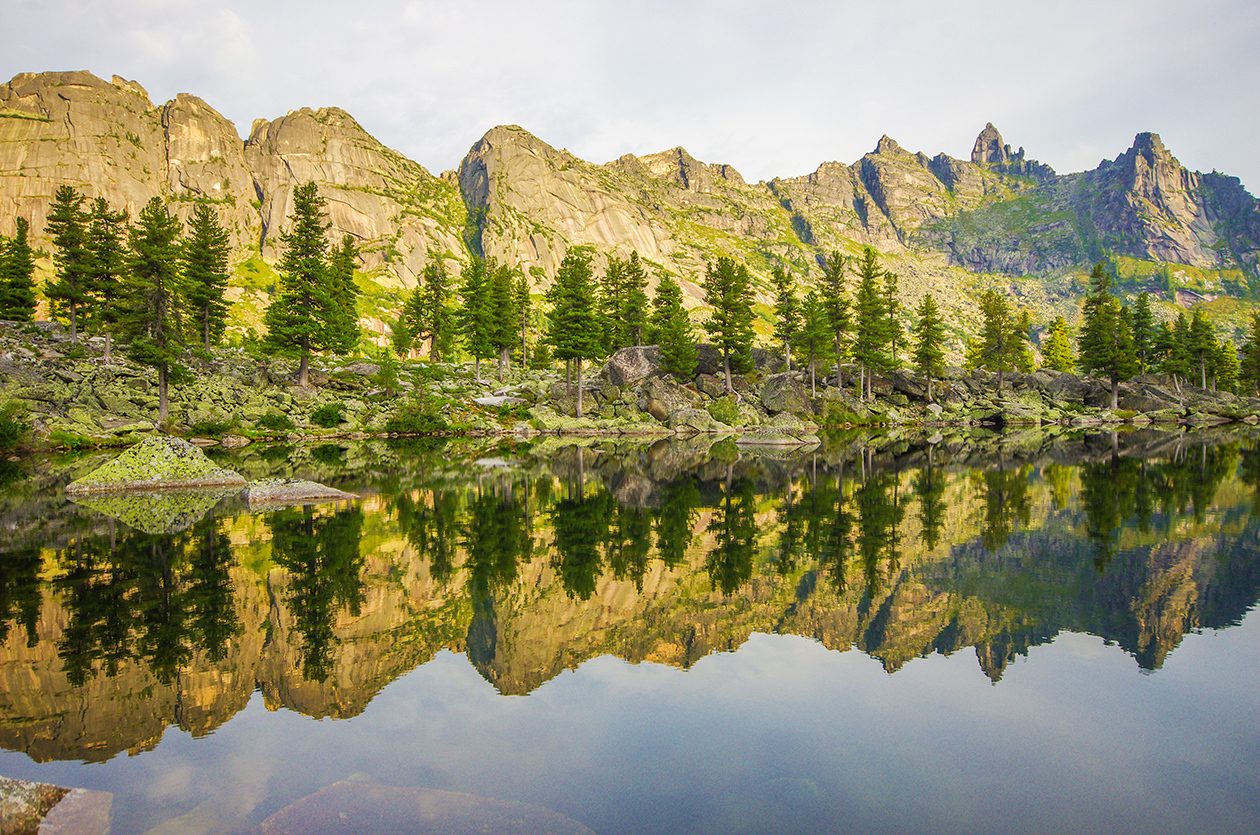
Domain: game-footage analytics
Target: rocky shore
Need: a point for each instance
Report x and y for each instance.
(73, 398)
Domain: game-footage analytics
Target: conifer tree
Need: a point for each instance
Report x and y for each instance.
(400, 336)
(1249, 362)
(151, 318)
(520, 295)
(1057, 349)
(1225, 367)
(1025, 360)
(813, 338)
(999, 341)
(1105, 343)
(787, 312)
(343, 332)
(474, 317)
(427, 312)
(728, 291)
(503, 312)
(575, 328)
(670, 328)
(1143, 331)
(67, 226)
(929, 336)
(106, 266)
(205, 260)
(1202, 345)
(611, 288)
(892, 325)
(297, 320)
(17, 276)
(871, 331)
(836, 302)
(634, 304)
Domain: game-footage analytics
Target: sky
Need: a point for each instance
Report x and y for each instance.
(772, 88)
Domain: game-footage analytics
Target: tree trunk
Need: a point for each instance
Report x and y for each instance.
(1202, 373)
(787, 355)
(205, 329)
(163, 403)
(304, 365)
(726, 369)
(1000, 375)
(477, 368)
(930, 399)
(524, 347)
(109, 355)
(1115, 389)
(579, 386)
(74, 330)
(813, 388)
(838, 385)
(568, 371)
(503, 362)
(433, 354)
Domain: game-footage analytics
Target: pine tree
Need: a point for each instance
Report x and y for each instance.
(503, 312)
(205, 259)
(1025, 360)
(1105, 342)
(634, 304)
(67, 226)
(524, 304)
(1057, 349)
(787, 312)
(670, 328)
(813, 338)
(892, 326)
(611, 288)
(728, 291)
(474, 315)
(1201, 345)
(151, 318)
(1143, 331)
(1249, 363)
(17, 276)
(343, 331)
(871, 331)
(1225, 367)
(106, 267)
(999, 339)
(835, 302)
(297, 320)
(929, 337)
(427, 311)
(400, 335)
(575, 328)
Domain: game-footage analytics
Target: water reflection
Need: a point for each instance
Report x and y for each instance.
(536, 559)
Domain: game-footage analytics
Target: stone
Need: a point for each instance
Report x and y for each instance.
(664, 397)
(691, 421)
(784, 393)
(629, 366)
(498, 401)
(710, 385)
(162, 462)
(278, 492)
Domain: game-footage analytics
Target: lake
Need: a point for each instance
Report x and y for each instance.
(1030, 632)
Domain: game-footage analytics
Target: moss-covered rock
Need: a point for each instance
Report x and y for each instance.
(157, 463)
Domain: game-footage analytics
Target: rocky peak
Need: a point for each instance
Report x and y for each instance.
(989, 147)
(888, 145)
(681, 168)
(1150, 148)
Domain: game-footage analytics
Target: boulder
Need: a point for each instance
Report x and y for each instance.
(290, 491)
(690, 421)
(157, 463)
(631, 365)
(663, 397)
(783, 393)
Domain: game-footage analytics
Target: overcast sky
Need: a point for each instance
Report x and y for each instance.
(773, 88)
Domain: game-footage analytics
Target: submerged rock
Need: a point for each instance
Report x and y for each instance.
(157, 464)
(40, 807)
(279, 492)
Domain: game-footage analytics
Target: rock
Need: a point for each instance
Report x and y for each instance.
(710, 385)
(784, 393)
(162, 462)
(691, 421)
(498, 401)
(664, 397)
(290, 491)
(164, 512)
(362, 369)
(629, 366)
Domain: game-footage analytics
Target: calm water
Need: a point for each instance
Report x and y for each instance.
(1017, 633)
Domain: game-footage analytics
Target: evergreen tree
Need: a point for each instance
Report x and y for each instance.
(1249, 363)
(871, 331)
(343, 332)
(836, 302)
(813, 338)
(787, 312)
(427, 312)
(400, 335)
(106, 266)
(634, 303)
(1143, 331)
(17, 276)
(205, 259)
(151, 320)
(474, 316)
(1025, 360)
(503, 312)
(1201, 345)
(520, 295)
(1000, 342)
(670, 328)
(1225, 367)
(297, 320)
(611, 287)
(67, 226)
(1105, 343)
(892, 325)
(728, 291)
(1057, 349)
(929, 336)
(575, 330)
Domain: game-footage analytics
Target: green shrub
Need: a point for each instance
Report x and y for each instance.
(275, 422)
(14, 430)
(211, 428)
(417, 417)
(327, 416)
(724, 409)
(76, 351)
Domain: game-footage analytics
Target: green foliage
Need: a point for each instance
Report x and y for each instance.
(724, 409)
(327, 415)
(1249, 362)
(213, 427)
(17, 276)
(151, 316)
(1143, 330)
(814, 339)
(417, 417)
(787, 311)
(728, 291)
(1105, 343)
(14, 427)
(474, 317)
(670, 328)
(575, 328)
(205, 261)
(342, 326)
(929, 336)
(1057, 349)
(106, 272)
(872, 338)
(67, 226)
(275, 422)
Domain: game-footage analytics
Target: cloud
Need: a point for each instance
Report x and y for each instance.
(773, 88)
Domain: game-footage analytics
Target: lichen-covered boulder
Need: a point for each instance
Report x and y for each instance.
(784, 393)
(279, 492)
(155, 464)
(664, 397)
(630, 365)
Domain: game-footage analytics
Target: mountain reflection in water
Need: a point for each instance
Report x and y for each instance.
(540, 557)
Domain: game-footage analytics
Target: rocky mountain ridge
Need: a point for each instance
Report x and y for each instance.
(938, 219)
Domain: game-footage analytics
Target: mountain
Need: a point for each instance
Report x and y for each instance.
(941, 222)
